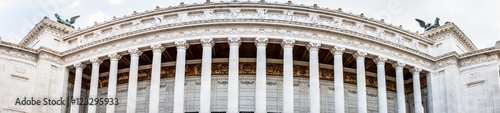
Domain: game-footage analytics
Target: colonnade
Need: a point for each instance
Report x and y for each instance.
(233, 78)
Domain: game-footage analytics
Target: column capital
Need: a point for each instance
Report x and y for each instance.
(207, 42)
(96, 61)
(234, 41)
(398, 65)
(261, 41)
(135, 52)
(288, 43)
(79, 65)
(337, 50)
(416, 71)
(181, 44)
(360, 55)
(114, 56)
(157, 48)
(380, 60)
(313, 46)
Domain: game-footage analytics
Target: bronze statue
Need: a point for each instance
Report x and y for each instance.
(66, 22)
(428, 26)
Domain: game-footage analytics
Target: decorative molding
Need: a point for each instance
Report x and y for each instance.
(261, 41)
(234, 41)
(157, 48)
(247, 82)
(222, 82)
(207, 42)
(444, 63)
(360, 55)
(96, 61)
(455, 30)
(478, 59)
(79, 66)
(135, 52)
(313, 46)
(114, 56)
(50, 57)
(181, 44)
(288, 43)
(337, 50)
(398, 65)
(380, 60)
(45, 25)
(271, 83)
(17, 53)
(416, 71)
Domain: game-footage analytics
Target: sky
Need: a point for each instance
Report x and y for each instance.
(478, 19)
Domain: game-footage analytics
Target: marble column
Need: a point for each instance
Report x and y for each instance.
(416, 90)
(154, 92)
(206, 75)
(113, 79)
(338, 78)
(77, 87)
(314, 91)
(132, 80)
(382, 90)
(233, 102)
(400, 86)
(288, 98)
(180, 74)
(260, 77)
(94, 82)
(361, 81)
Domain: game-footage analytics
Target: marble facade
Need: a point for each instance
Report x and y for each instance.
(196, 58)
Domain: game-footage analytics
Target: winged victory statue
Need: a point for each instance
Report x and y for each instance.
(66, 22)
(428, 26)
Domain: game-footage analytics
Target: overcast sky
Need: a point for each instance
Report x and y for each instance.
(479, 19)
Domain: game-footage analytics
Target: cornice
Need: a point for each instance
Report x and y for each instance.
(455, 30)
(246, 21)
(18, 51)
(40, 27)
(256, 4)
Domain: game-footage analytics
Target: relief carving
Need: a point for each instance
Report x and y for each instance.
(247, 82)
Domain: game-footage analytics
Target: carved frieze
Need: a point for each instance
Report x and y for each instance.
(444, 63)
(383, 50)
(16, 53)
(478, 59)
(50, 57)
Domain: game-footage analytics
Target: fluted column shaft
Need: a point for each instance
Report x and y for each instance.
(233, 102)
(206, 75)
(154, 92)
(260, 78)
(382, 91)
(416, 90)
(180, 74)
(400, 90)
(361, 81)
(314, 91)
(113, 78)
(94, 82)
(338, 78)
(288, 101)
(77, 87)
(132, 80)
